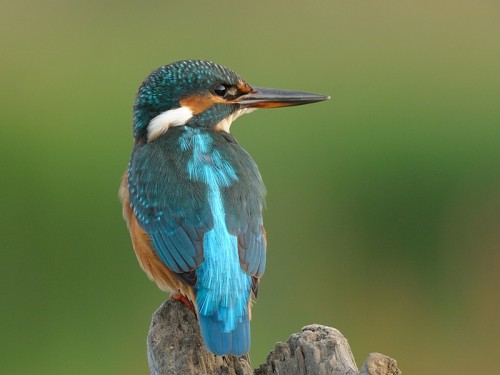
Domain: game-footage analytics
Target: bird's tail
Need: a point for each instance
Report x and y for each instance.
(225, 330)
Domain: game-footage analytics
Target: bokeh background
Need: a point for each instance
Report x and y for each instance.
(383, 204)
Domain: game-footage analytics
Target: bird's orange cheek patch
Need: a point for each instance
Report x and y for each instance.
(199, 103)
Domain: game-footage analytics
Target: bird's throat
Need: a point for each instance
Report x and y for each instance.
(225, 124)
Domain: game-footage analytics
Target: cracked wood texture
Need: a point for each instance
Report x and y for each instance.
(175, 347)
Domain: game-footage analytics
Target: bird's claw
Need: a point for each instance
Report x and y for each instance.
(182, 298)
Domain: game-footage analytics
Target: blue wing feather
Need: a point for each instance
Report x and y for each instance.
(244, 203)
(168, 205)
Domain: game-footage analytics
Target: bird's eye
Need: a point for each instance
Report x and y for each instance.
(220, 90)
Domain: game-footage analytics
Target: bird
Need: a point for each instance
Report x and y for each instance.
(193, 198)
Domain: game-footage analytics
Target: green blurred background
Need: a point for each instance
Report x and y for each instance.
(383, 204)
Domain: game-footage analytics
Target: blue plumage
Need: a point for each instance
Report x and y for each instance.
(201, 176)
(223, 288)
(193, 198)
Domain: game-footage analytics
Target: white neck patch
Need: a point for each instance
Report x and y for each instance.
(226, 123)
(180, 116)
(173, 117)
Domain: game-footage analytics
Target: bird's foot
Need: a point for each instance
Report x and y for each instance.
(182, 298)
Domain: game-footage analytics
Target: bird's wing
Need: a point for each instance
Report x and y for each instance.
(252, 251)
(172, 209)
(244, 220)
(244, 202)
(175, 211)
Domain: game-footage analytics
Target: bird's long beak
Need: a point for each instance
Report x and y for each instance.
(262, 97)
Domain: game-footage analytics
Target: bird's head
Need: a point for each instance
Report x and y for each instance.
(201, 94)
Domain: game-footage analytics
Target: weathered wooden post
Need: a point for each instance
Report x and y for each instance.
(175, 347)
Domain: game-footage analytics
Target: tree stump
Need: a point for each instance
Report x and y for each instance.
(175, 347)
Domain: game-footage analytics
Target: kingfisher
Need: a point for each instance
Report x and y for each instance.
(193, 198)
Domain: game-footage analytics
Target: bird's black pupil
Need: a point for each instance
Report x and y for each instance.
(220, 90)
